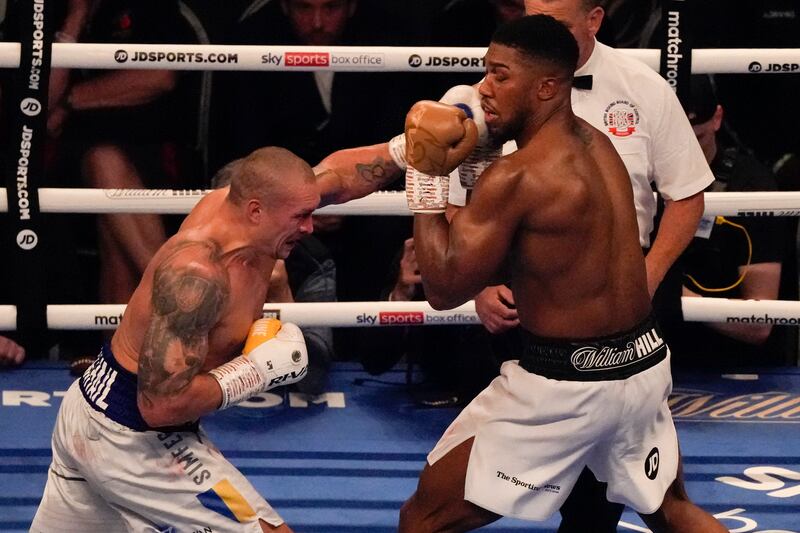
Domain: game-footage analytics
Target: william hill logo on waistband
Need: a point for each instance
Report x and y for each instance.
(591, 358)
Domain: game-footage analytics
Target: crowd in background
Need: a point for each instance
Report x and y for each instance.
(177, 129)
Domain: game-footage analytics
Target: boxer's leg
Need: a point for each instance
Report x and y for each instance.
(438, 503)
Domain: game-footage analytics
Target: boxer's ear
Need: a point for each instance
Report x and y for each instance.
(254, 211)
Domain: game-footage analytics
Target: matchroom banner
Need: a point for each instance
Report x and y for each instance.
(676, 52)
(27, 119)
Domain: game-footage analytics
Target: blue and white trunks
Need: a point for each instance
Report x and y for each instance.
(111, 472)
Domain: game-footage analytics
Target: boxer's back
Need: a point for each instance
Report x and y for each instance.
(577, 252)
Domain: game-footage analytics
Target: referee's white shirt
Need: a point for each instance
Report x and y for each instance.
(638, 110)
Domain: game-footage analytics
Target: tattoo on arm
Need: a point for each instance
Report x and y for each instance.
(187, 302)
(379, 171)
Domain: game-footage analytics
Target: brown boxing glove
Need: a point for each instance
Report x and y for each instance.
(438, 137)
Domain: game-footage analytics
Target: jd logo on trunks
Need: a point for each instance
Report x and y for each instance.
(592, 358)
(651, 464)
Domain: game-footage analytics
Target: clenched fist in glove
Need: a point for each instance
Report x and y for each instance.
(438, 137)
(275, 354)
(485, 151)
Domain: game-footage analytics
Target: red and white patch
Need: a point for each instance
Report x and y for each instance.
(621, 118)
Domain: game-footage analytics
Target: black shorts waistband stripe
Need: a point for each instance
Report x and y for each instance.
(611, 357)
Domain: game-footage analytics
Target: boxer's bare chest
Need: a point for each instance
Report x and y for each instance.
(245, 303)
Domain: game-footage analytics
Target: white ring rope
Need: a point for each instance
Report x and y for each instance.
(777, 312)
(169, 201)
(316, 314)
(360, 58)
(370, 314)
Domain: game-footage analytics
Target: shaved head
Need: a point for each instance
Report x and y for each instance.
(267, 174)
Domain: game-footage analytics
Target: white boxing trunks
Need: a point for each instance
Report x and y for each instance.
(600, 403)
(109, 476)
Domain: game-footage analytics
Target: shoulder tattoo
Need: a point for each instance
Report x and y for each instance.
(188, 300)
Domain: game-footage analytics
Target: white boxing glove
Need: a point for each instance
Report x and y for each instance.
(275, 354)
(485, 152)
(469, 100)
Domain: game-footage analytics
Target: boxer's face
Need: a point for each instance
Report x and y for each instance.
(290, 221)
(583, 23)
(506, 92)
(319, 22)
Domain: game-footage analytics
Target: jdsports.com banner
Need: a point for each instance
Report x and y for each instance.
(380, 58)
(27, 109)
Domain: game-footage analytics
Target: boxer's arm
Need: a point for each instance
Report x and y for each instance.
(459, 259)
(187, 300)
(355, 172)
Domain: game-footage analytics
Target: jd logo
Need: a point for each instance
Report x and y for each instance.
(30, 106)
(27, 239)
(651, 464)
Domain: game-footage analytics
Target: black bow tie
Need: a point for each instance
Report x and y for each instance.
(583, 82)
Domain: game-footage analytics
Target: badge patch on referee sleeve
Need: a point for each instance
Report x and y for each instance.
(651, 464)
(224, 499)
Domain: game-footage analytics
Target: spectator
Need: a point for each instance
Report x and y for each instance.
(127, 128)
(311, 113)
(69, 287)
(718, 263)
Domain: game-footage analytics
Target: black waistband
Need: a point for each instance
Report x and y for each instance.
(614, 357)
(111, 389)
